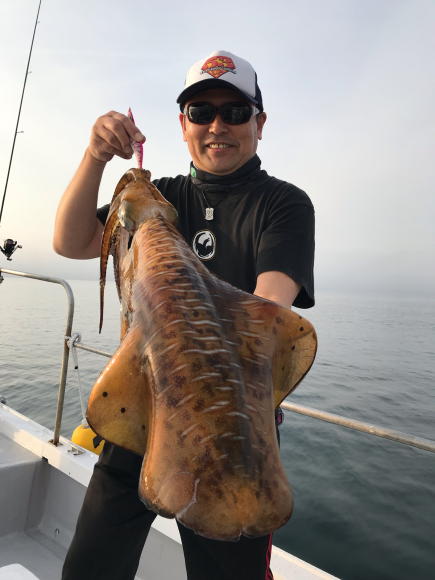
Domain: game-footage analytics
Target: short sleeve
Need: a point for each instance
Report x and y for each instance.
(287, 245)
(103, 212)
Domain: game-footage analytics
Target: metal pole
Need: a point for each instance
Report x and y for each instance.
(19, 111)
(68, 330)
(92, 349)
(397, 436)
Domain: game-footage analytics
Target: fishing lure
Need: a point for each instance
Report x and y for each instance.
(136, 145)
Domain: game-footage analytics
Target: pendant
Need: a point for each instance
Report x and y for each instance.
(209, 213)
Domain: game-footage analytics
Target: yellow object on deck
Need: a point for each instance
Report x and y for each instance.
(85, 437)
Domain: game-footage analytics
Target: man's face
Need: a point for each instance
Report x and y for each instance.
(240, 140)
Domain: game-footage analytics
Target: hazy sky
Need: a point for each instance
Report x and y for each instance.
(348, 86)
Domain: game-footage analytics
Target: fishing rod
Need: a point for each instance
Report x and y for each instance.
(9, 245)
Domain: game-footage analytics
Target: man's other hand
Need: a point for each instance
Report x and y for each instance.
(111, 136)
(278, 287)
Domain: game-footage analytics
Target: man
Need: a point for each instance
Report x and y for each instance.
(252, 230)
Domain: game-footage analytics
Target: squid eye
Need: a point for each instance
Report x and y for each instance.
(126, 216)
(121, 215)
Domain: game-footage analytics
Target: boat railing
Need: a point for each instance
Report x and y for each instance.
(377, 431)
(68, 329)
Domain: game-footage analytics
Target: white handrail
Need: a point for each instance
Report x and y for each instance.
(375, 430)
(68, 329)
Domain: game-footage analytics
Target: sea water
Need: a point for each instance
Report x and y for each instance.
(364, 507)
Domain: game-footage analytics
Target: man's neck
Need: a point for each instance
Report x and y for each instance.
(209, 181)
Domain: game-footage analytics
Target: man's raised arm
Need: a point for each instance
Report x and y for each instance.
(77, 230)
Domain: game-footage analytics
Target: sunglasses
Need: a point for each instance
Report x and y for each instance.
(231, 113)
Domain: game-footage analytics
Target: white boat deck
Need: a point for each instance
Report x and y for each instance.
(41, 493)
(22, 548)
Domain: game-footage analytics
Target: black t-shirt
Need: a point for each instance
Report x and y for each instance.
(260, 224)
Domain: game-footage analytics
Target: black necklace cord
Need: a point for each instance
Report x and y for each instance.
(218, 202)
(209, 210)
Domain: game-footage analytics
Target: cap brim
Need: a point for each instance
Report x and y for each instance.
(207, 84)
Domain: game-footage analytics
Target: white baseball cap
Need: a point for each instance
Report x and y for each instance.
(224, 70)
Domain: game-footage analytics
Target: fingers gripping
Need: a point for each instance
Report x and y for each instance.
(130, 128)
(111, 136)
(103, 150)
(114, 134)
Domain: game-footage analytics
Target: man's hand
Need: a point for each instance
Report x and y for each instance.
(111, 136)
(77, 231)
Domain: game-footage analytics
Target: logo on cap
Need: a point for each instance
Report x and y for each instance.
(216, 66)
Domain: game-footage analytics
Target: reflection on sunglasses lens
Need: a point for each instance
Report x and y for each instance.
(231, 114)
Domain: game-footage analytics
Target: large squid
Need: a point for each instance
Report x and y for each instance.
(197, 376)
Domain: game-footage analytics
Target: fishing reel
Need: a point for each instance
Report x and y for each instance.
(9, 247)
